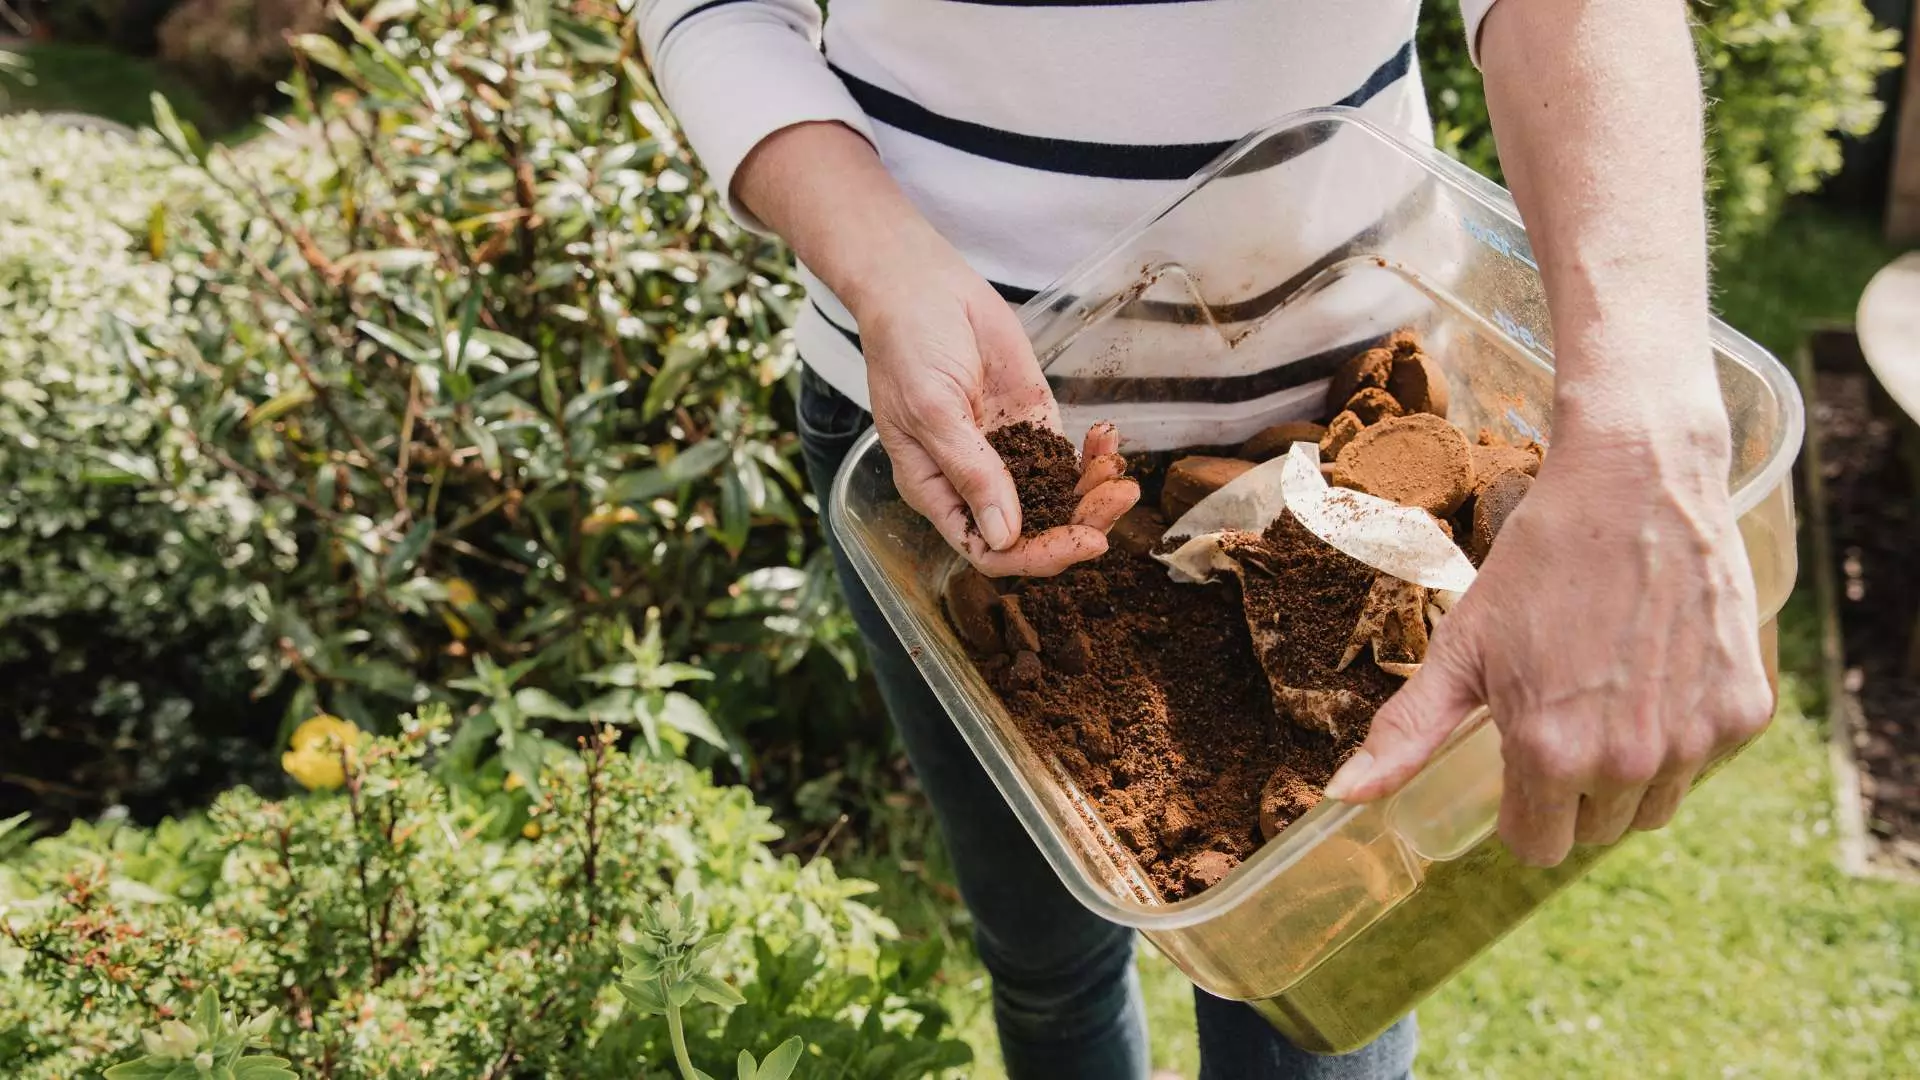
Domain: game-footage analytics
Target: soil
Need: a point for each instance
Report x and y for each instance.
(1201, 720)
(1869, 455)
(1045, 468)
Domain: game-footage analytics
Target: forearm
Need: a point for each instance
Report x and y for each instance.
(823, 190)
(1597, 110)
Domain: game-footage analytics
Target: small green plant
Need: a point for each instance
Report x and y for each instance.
(666, 967)
(213, 1046)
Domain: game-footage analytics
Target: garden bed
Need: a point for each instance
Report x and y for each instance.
(1860, 471)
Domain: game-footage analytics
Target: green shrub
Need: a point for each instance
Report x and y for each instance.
(503, 377)
(116, 618)
(1784, 79)
(406, 926)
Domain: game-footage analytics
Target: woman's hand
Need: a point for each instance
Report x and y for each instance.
(1613, 634)
(946, 358)
(947, 361)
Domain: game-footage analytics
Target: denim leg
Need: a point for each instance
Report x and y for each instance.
(1065, 997)
(1237, 1043)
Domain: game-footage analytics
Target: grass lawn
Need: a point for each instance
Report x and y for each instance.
(101, 82)
(1728, 945)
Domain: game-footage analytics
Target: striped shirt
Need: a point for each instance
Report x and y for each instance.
(1028, 132)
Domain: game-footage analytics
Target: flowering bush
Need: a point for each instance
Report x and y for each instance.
(616, 917)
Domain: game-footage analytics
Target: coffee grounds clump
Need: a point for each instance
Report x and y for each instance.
(1045, 469)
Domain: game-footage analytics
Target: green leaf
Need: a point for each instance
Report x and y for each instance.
(716, 992)
(262, 1067)
(503, 345)
(682, 713)
(780, 1064)
(378, 50)
(401, 346)
(550, 389)
(499, 384)
(177, 132)
(388, 10)
(589, 402)
(683, 357)
(279, 405)
(541, 705)
(746, 1067)
(141, 1069)
(644, 996)
(590, 44)
(688, 465)
(408, 550)
(326, 52)
(673, 672)
(387, 260)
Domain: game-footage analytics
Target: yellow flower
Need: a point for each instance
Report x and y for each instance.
(513, 782)
(531, 830)
(317, 746)
(460, 593)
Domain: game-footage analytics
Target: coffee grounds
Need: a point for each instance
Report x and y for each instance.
(1149, 694)
(1045, 469)
(1152, 702)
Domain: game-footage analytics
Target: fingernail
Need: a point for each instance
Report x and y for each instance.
(993, 526)
(1350, 776)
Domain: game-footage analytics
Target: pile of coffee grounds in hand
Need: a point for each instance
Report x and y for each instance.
(1045, 468)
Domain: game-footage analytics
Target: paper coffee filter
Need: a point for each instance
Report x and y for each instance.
(1405, 542)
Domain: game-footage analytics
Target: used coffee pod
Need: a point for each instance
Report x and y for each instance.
(1418, 460)
(1194, 478)
(1273, 441)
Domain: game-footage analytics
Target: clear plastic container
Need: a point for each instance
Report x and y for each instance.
(1215, 316)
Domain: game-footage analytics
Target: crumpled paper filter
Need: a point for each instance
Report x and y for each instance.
(1422, 571)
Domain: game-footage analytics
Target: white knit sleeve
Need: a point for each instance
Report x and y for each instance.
(736, 71)
(1473, 13)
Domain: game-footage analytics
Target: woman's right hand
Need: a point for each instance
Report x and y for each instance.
(947, 361)
(946, 358)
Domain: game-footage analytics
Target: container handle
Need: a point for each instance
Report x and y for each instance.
(1454, 802)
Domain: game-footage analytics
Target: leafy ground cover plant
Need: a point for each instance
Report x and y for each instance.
(621, 918)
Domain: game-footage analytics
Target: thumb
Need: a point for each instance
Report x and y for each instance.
(1411, 725)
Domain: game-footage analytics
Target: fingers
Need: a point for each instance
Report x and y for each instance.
(1102, 439)
(1661, 801)
(1098, 470)
(1604, 817)
(1046, 554)
(1410, 726)
(1538, 815)
(1102, 506)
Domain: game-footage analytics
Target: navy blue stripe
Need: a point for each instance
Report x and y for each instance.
(1114, 161)
(697, 9)
(852, 338)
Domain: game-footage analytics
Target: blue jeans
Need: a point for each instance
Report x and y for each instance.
(1065, 996)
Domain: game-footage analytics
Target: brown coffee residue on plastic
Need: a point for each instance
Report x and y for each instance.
(1202, 720)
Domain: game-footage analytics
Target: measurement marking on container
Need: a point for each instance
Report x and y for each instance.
(1499, 243)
